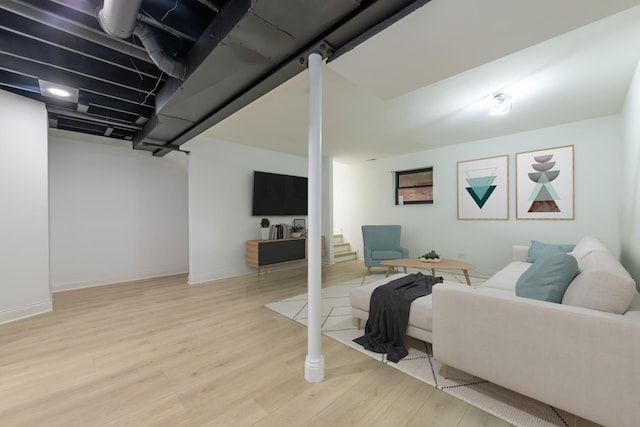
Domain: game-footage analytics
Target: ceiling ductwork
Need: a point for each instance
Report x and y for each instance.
(170, 65)
(252, 47)
(119, 18)
(191, 64)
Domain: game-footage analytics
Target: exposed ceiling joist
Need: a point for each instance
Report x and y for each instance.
(234, 51)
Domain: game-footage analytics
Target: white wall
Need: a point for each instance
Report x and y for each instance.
(24, 226)
(348, 209)
(363, 195)
(327, 208)
(220, 193)
(116, 214)
(630, 212)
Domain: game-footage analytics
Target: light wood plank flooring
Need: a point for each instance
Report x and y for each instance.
(160, 352)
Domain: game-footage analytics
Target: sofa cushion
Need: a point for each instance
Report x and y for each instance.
(603, 284)
(420, 313)
(548, 278)
(542, 250)
(633, 312)
(585, 246)
(507, 277)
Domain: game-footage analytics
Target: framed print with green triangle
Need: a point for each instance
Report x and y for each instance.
(544, 184)
(483, 188)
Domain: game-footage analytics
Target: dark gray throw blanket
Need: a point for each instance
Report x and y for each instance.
(389, 314)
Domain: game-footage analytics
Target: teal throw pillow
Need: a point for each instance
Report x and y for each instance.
(548, 278)
(542, 250)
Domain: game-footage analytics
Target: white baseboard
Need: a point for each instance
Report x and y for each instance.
(24, 312)
(61, 287)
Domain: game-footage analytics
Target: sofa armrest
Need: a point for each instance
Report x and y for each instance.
(519, 253)
(580, 360)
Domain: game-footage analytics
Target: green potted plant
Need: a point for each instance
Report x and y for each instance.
(431, 256)
(264, 228)
(296, 230)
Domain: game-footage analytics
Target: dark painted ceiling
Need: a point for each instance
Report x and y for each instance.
(234, 51)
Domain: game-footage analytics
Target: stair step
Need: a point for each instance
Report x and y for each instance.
(338, 238)
(344, 256)
(341, 247)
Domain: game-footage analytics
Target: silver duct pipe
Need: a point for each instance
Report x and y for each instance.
(119, 18)
(168, 64)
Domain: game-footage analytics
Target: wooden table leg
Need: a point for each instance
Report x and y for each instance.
(466, 276)
(433, 272)
(388, 271)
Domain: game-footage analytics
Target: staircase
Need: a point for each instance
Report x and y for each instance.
(342, 250)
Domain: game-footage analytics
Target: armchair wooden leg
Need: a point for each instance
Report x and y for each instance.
(368, 271)
(358, 323)
(445, 371)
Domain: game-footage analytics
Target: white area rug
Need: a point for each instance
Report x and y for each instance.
(506, 404)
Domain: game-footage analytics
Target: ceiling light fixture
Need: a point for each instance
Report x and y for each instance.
(58, 92)
(500, 105)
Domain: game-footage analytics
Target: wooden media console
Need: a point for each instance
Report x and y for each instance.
(265, 253)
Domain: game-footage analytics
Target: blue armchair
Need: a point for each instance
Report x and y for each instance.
(381, 242)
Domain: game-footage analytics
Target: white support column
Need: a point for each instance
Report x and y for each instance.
(314, 363)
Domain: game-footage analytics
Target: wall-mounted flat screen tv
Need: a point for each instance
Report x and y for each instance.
(277, 194)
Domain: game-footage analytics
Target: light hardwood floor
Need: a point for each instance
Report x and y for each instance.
(160, 352)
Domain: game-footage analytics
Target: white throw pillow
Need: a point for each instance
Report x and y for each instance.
(602, 284)
(585, 246)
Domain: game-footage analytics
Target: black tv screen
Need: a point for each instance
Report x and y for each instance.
(276, 194)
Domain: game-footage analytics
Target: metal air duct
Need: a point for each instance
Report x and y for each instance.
(119, 19)
(165, 62)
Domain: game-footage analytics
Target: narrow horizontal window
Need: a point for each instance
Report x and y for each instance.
(414, 186)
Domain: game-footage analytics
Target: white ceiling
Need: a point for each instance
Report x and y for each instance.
(425, 82)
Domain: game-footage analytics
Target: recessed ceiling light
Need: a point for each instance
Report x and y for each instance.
(58, 92)
(500, 105)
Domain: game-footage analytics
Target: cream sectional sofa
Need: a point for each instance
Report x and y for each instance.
(420, 313)
(581, 355)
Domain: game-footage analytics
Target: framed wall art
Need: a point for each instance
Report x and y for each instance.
(483, 188)
(544, 184)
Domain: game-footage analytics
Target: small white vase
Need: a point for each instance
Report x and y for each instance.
(264, 232)
(296, 234)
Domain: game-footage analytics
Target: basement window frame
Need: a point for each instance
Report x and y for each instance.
(407, 192)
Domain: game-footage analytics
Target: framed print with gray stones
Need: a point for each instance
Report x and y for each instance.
(544, 184)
